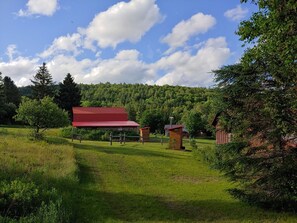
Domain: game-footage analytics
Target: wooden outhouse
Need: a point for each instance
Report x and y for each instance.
(144, 134)
(176, 137)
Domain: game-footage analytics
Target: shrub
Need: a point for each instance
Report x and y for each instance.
(27, 202)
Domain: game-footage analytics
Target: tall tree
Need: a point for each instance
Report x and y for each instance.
(194, 122)
(11, 91)
(260, 95)
(2, 98)
(69, 94)
(12, 100)
(42, 83)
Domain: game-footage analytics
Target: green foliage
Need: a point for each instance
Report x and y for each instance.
(261, 106)
(277, 175)
(92, 134)
(11, 92)
(41, 114)
(194, 122)
(36, 180)
(9, 100)
(141, 100)
(27, 202)
(2, 98)
(154, 119)
(69, 94)
(42, 83)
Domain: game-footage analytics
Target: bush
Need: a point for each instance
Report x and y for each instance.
(27, 202)
(92, 134)
(207, 153)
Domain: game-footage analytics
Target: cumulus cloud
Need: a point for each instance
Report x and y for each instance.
(236, 14)
(64, 44)
(182, 68)
(20, 69)
(40, 7)
(179, 68)
(125, 67)
(184, 30)
(60, 65)
(124, 21)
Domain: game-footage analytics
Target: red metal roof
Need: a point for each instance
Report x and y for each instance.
(98, 110)
(111, 124)
(101, 117)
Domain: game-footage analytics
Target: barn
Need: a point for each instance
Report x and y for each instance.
(102, 117)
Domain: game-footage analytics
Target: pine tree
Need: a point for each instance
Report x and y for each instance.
(260, 98)
(69, 94)
(42, 83)
(11, 91)
(2, 98)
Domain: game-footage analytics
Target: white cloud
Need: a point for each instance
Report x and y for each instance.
(179, 68)
(40, 7)
(64, 44)
(20, 69)
(125, 67)
(182, 68)
(60, 65)
(181, 33)
(11, 51)
(236, 14)
(124, 21)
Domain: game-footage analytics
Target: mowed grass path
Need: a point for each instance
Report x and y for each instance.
(148, 183)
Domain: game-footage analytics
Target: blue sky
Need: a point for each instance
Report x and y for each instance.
(176, 42)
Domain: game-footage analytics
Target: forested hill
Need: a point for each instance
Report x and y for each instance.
(145, 103)
(137, 98)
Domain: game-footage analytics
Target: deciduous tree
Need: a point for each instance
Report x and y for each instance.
(41, 114)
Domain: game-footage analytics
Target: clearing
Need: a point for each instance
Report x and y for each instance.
(139, 183)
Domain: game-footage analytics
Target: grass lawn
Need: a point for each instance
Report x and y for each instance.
(149, 183)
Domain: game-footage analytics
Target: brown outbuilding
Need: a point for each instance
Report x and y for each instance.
(176, 137)
(144, 134)
(222, 137)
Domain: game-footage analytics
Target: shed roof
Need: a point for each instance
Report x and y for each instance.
(176, 127)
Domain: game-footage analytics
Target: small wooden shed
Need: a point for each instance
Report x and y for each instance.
(176, 137)
(144, 134)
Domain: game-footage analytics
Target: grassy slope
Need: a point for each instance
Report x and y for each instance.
(147, 183)
(48, 165)
(132, 182)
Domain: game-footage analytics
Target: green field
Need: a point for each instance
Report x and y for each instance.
(127, 183)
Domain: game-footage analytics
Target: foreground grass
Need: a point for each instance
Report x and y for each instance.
(147, 183)
(50, 167)
(128, 183)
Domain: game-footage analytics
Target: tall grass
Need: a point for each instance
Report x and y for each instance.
(45, 170)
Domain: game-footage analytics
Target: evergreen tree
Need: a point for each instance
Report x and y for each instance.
(42, 83)
(69, 94)
(11, 92)
(2, 98)
(260, 98)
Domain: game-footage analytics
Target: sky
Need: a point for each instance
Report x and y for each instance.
(156, 42)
